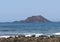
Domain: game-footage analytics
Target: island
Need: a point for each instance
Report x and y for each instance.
(35, 19)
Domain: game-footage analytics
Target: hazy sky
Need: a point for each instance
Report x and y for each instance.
(11, 10)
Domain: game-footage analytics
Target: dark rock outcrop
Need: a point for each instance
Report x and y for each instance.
(35, 19)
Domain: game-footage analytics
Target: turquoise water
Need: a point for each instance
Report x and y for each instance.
(29, 28)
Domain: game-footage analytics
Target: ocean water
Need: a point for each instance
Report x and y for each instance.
(52, 28)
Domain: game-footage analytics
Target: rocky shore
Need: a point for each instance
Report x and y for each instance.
(22, 38)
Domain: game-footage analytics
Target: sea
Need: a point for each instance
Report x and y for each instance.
(13, 29)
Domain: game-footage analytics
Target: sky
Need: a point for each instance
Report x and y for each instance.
(15, 10)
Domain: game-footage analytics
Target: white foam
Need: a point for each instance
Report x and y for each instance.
(27, 35)
(4, 36)
(56, 33)
(36, 35)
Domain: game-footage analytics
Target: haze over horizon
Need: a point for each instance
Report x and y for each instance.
(13, 10)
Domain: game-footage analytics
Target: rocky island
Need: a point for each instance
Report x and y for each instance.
(35, 19)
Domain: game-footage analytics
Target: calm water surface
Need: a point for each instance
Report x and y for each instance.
(29, 28)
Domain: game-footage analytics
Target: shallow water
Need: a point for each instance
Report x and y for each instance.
(29, 28)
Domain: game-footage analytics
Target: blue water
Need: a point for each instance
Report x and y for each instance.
(29, 28)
